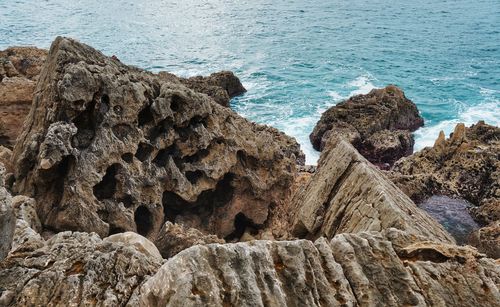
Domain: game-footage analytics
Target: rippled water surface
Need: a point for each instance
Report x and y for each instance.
(296, 58)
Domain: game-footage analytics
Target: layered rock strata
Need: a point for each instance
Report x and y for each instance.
(110, 148)
(363, 269)
(378, 124)
(349, 194)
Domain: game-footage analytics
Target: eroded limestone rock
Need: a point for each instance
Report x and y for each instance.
(139, 242)
(221, 86)
(366, 269)
(111, 148)
(74, 269)
(466, 165)
(378, 124)
(349, 194)
(174, 238)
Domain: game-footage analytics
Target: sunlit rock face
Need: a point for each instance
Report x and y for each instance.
(111, 148)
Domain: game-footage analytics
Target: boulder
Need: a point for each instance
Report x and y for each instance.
(378, 124)
(391, 268)
(348, 194)
(466, 165)
(221, 86)
(19, 71)
(74, 269)
(111, 148)
(174, 238)
(139, 242)
(7, 217)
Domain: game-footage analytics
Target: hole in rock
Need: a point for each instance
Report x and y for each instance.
(103, 107)
(145, 116)
(162, 156)
(160, 129)
(104, 103)
(143, 152)
(175, 102)
(114, 230)
(194, 176)
(128, 157)
(200, 154)
(59, 177)
(143, 220)
(86, 124)
(107, 187)
(174, 205)
(241, 222)
(127, 201)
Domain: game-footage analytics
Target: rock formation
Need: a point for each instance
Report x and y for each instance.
(74, 269)
(349, 194)
(466, 166)
(110, 148)
(378, 124)
(363, 269)
(7, 218)
(221, 86)
(174, 238)
(152, 166)
(19, 71)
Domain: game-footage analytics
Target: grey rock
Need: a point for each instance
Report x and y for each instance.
(174, 238)
(391, 268)
(74, 269)
(348, 194)
(111, 148)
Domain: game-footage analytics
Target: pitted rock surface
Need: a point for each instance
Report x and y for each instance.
(363, 269)
(466, 165)
(74, 269)
(111, 148)
(378, 125)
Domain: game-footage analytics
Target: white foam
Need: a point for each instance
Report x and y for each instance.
(362, 84)
(488, 111)
(336, 96)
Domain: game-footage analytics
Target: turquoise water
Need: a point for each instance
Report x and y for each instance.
(296, 58)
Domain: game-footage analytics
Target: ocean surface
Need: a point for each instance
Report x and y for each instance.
(296, 58)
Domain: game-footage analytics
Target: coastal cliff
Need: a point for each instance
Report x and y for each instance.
(128, 188)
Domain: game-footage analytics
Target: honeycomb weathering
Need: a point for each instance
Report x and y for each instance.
(111, 148)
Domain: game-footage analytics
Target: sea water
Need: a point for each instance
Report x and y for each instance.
(296, 58)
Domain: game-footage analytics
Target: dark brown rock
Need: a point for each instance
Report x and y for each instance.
(110, 148)
(378, 124)
(221, 86)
